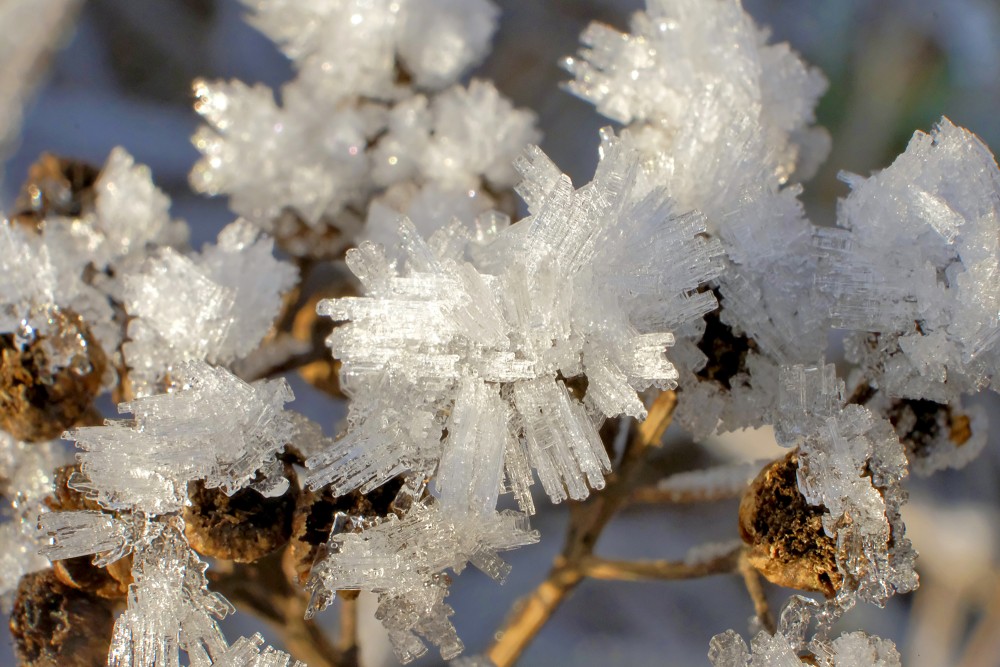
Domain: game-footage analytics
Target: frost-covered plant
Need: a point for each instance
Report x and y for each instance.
(478, 351)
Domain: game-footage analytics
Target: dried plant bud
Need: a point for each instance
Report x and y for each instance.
(319, 512)
(56, 626)
(56, 187)
(785, 533)
(726, 351)
(243, 527)
(48, 384)
(80, 572)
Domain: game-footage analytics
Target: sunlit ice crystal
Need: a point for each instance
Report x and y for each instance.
(590, 283)
(350, 47)
(716, 106)
(211, 426)
(169, 608)
(917, 256)
(403, 560)
(27, 276)
(462, 135)
(214, 306)
(270, 158)
(791, 643)
(247, 652)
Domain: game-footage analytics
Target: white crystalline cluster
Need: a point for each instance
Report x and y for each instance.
(169, 606)
(351, 47)
(247, 652)
(25, 480)
(403, 560)
(212, 426)
(851, 463)
(215, 306)
(723, 120)
(713, 104)
(375, 105)
(548, 299)
(916, 261)
(789, 645)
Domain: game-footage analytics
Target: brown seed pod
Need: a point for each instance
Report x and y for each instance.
(40, 397)
(56, 186)
(80, 572)
(785, 533)
(243, 527)
(315, 515)
(56, 626)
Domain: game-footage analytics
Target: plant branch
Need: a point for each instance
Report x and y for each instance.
(587, 521)
(622, 570)
(755, 588)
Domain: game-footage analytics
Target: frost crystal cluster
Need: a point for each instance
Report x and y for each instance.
(375, 114)
(480, 350)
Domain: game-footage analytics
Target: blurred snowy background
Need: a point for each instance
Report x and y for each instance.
(122, 76)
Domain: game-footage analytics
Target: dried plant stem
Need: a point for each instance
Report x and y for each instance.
(620, 570)
(652, 495)
(347, 643)
(262, 589)
(587, 521)
(755, 587)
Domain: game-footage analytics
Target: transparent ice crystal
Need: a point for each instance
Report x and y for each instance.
(215, 306)
(403, 560)
(790, 646)
(915, 260)
(210, 426)
(590, 284)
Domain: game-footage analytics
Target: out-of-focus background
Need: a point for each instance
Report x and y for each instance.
(121, 75)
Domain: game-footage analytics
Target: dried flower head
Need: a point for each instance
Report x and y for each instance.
(785, 533)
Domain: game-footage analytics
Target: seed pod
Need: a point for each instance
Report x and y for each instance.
(57, 626)
(726, 351)
(55, 187)
(48, 384)
(785, 533)
(80, 572)
(243, 527)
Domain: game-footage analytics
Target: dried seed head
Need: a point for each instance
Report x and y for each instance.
(49, 381)
(54, 625)
(308, 326)
(80, 572)
(243, 527)
(785, 533)
(55, 187)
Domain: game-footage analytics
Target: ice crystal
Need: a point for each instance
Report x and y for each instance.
(549, 299)
(144, 464)
(25, 480)
(916, 260)
(790, 646)
(352, 45)
(215, 306)
(403, 560)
